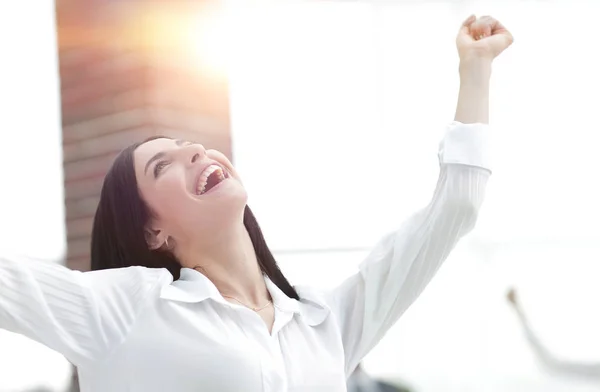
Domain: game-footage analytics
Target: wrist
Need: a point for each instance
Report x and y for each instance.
(475, 69)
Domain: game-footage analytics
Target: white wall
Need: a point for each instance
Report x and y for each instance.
(32, 196)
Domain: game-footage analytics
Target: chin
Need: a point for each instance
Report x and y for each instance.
(223, 211)
(234, 190)
(233, 196)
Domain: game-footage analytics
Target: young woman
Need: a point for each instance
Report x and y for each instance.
(186, 295)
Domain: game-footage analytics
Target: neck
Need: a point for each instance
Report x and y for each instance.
(230, 262)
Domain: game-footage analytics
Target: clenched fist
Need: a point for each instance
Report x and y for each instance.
(483, 37)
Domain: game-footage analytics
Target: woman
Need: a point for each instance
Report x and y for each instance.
(586, 370)
(188, 297)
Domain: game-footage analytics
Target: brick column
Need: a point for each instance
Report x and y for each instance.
(127, 73)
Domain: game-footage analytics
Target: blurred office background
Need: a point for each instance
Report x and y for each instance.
(295, 92)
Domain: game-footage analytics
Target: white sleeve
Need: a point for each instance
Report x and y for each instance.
(589, 370)
(395, 273)
(81, 315)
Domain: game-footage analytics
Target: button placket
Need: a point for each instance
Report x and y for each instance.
(271, 361)
(276, 356)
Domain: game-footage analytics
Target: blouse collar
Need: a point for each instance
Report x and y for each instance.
(193, 287)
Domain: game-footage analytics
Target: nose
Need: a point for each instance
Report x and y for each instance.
(194, 153)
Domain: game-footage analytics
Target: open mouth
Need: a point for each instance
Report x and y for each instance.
(212, 176)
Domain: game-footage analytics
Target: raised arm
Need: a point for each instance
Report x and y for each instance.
(80, 315)
(399, 268)
(546, 357)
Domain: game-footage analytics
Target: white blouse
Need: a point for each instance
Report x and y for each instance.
(135, 330)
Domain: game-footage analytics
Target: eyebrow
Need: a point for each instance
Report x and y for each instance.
(160, 155)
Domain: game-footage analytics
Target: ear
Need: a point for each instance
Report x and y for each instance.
(154, 238)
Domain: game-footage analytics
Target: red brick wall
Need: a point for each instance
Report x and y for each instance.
(118, 87)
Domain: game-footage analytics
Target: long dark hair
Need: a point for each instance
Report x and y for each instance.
(118, 233)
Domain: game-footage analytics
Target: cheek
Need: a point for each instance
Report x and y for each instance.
(167, 196)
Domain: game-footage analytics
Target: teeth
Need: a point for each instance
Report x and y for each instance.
(204, 177)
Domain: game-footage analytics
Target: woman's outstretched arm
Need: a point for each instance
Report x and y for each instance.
(81, 315)
(400, 267)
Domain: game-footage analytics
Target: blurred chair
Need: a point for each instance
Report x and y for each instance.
(361, 381)
(40, 389)
(74, 385)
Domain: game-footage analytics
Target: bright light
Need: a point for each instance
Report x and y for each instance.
(195, 36)
(209, 38)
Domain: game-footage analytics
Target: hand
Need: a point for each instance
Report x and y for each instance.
(512, 298)
(482, 38)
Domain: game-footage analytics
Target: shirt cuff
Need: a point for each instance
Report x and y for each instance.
(466, 144)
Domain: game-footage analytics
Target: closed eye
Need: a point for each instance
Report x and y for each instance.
(159, 167)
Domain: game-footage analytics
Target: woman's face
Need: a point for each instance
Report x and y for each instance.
(193, 193)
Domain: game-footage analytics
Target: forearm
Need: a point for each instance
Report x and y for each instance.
(396, 272)
(567, 367)
(474, 94)
(559, 365)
